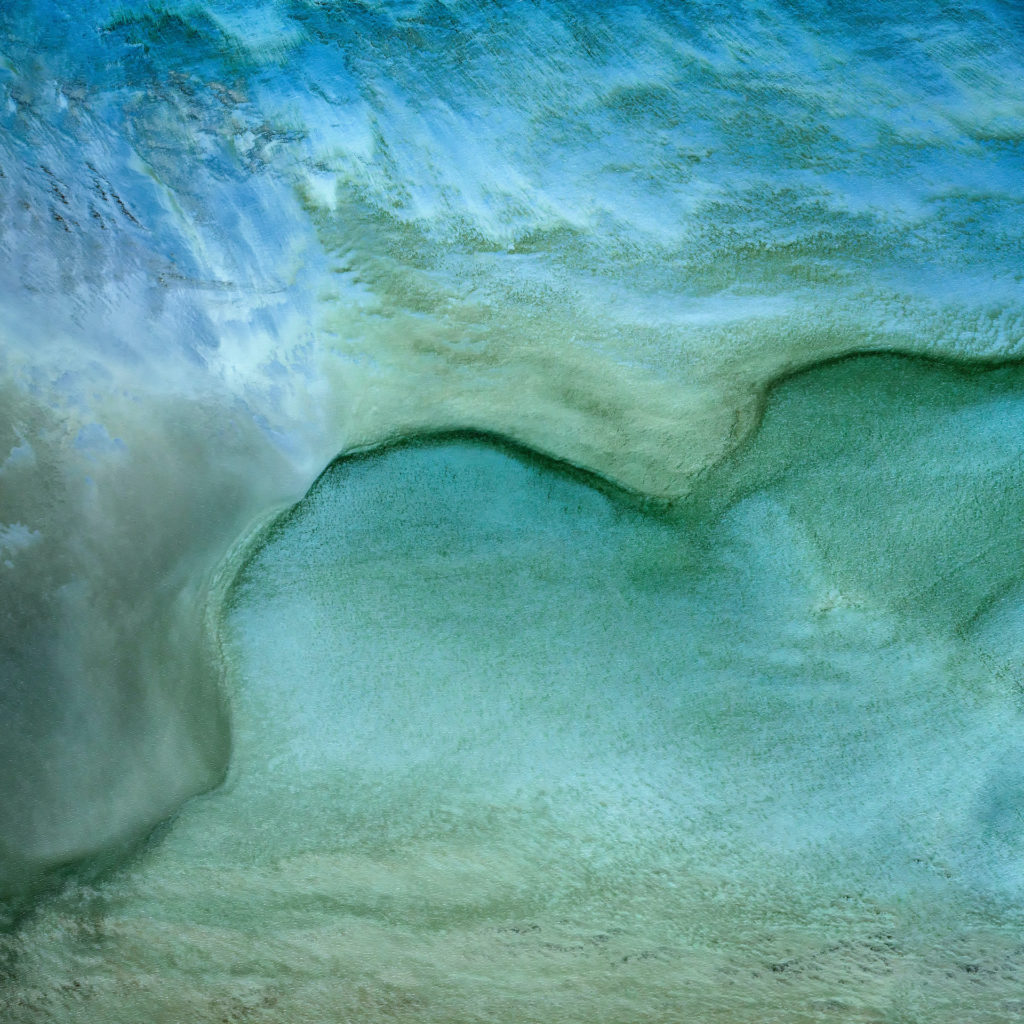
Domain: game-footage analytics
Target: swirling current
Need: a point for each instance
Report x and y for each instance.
(510, 511)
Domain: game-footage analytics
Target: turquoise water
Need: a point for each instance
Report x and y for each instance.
(511, 744)
(722, 724)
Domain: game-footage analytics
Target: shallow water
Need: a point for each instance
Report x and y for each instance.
(242, 236)
(511, 744)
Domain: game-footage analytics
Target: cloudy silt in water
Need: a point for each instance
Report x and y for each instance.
(511, 512)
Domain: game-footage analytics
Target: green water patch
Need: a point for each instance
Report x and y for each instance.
(513, 745)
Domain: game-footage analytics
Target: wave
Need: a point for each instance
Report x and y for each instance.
(243, 239)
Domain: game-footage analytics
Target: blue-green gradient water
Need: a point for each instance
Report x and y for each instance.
(722, 724)
(512, 745)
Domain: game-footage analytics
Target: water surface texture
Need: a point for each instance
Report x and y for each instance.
(725, 695)
(513, 746)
